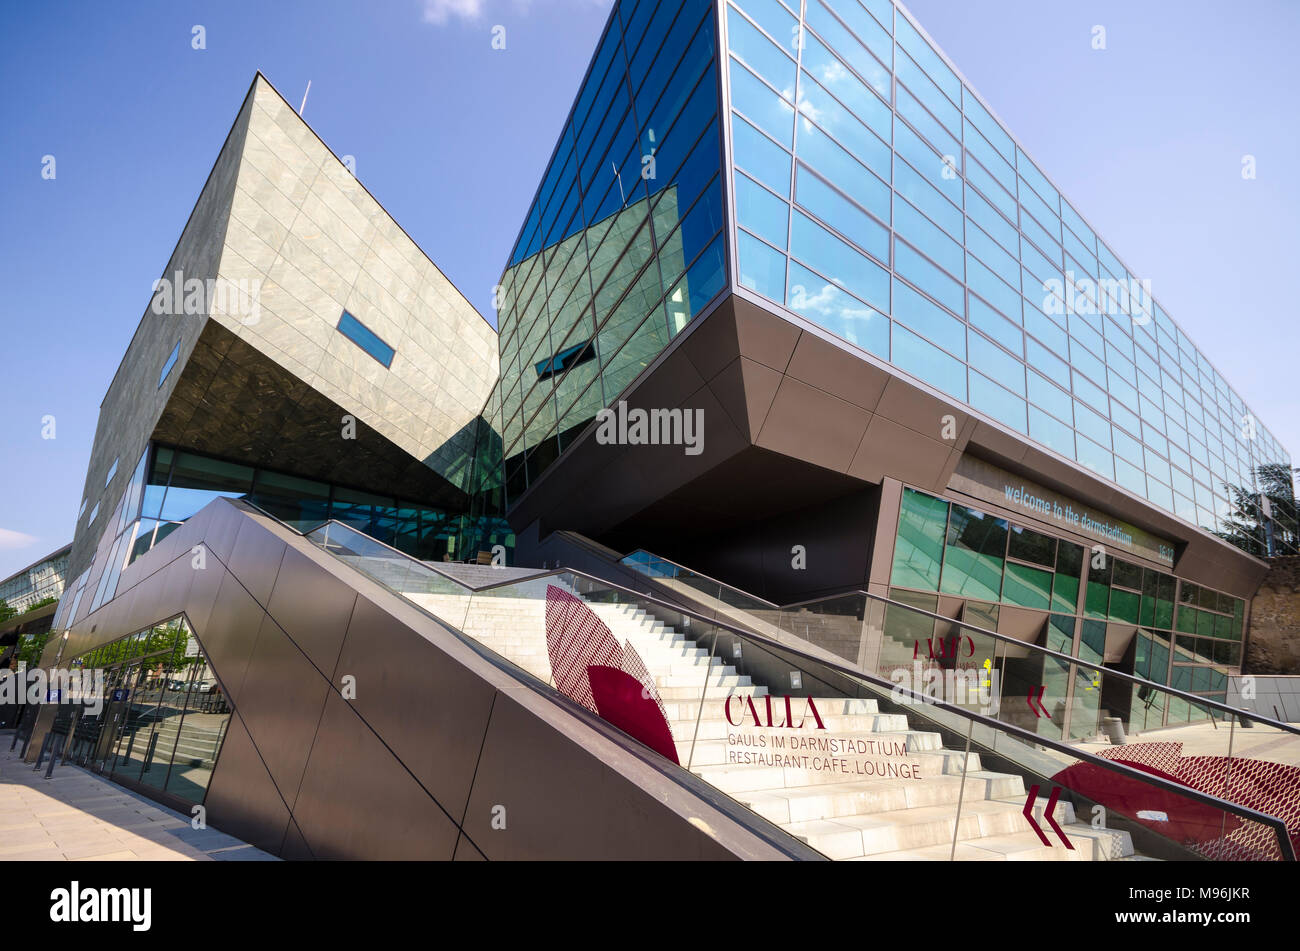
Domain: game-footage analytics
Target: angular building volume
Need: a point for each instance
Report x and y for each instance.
(826, 457)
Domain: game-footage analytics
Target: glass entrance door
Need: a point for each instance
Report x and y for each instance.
(117, 691)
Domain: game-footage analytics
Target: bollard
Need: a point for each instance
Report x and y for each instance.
(1114, 728)
(45, 745)
(54, 755)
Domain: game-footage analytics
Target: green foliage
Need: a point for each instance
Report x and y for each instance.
(1245, 526)
(30, 647)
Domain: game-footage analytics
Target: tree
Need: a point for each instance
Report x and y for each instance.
(1255, 511)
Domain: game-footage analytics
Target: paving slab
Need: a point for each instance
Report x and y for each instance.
(78, 816)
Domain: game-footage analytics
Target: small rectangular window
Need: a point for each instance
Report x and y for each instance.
(112, 471)
(569, 357)
(93, 512)
(366, 339)
(171, 362)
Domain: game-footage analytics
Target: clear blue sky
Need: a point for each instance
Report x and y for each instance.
(1145, 138)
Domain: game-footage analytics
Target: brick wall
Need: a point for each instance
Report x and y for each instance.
(1274, 638)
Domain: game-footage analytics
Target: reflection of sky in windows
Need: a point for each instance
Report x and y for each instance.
(911, 171)
(613, 249)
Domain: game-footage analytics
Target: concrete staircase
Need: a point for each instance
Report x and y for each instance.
(869, 818)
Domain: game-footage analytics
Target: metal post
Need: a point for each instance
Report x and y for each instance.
(45, 746)
(690, 758)
(54, 755)
(148, 755)
(961, 792)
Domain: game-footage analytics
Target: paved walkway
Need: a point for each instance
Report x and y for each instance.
(1205, 739)
(78, 816)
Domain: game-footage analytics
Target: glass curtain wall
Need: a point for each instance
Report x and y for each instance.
(622, 246)
(181, 483)
(950, 549)
(164, 714)
(877, 197)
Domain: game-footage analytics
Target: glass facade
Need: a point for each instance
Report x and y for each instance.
(876, 197)
(180, 483)
(1179, 634)
(164, 714)
(38, 583)
(623, 245)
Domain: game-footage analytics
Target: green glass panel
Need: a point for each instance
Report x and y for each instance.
(1092, 641)
(1159, 667)
(1150, 585)
(1069, 569)
(974, 554)
(1222, 626)
(1126, 575)
(1142, 655)
(918, 550)
(1186, 619)
(1065, 593)
(1027, 587)
(1124, 605)
(1032, 547)
(1060, 633)
(904, 630)
(1165, 587)
(1098, 600)
(1204, 622)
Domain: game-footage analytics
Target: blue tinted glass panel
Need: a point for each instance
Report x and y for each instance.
(987, 396)
(761, 106)
(772, 16)
(821, 250)
(760, 53)
(762, 268)
(171, 362)
(996, 363)
(927, 362)
(837, 211)
(760, 156)
(366, 339)
(829, 306)
(761, 212)
(911, 40)
(925, 275)
(928, 319)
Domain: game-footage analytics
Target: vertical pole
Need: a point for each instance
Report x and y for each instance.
(961, 792)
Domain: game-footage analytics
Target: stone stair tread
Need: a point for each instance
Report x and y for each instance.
(844, 817)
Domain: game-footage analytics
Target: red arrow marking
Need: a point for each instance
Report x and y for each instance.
(1039, 696)
(1029, 814)
(1051, 821)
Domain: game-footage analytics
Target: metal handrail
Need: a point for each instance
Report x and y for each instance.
(698, 574)
(1068, 658)
(1278, 826)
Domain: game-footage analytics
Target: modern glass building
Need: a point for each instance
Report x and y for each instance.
(877, 195)
(623, 244)
(910, 265)
(940, 425)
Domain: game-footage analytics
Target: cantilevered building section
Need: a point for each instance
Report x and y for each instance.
(301, 350)
(924, 368)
